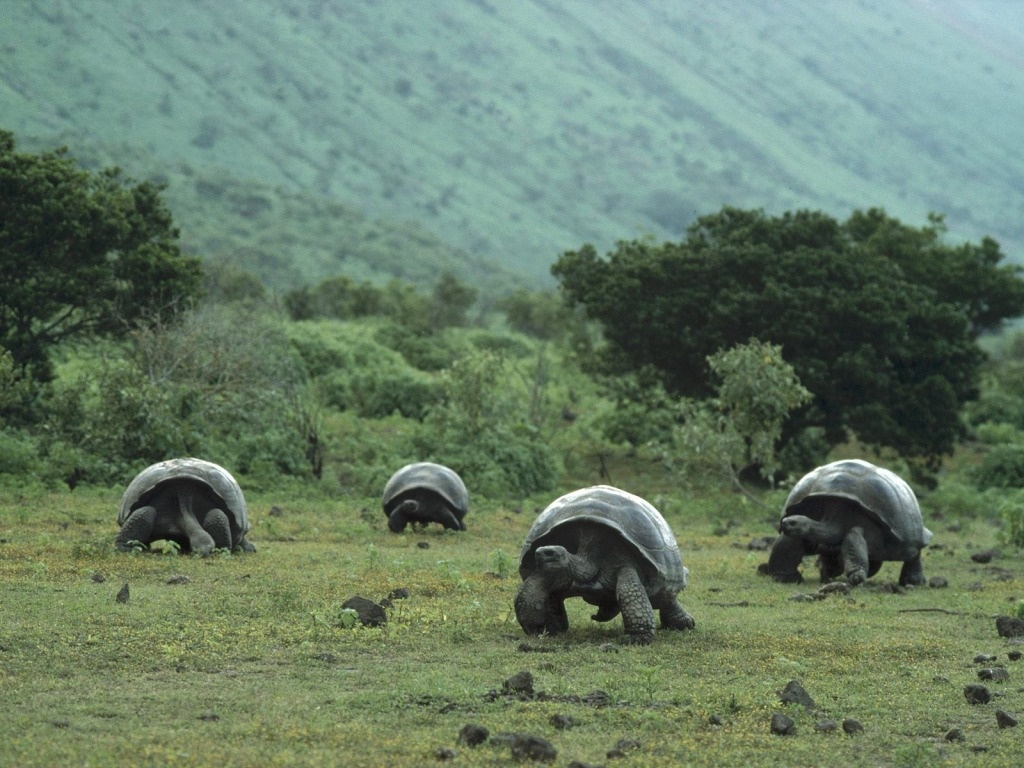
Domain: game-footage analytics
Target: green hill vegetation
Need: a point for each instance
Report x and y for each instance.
(510, 133)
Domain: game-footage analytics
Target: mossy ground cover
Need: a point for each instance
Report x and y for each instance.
(246, 659)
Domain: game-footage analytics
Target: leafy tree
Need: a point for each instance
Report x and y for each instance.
(80, 254)
(883, 336)
(450, 300)
(740, 427)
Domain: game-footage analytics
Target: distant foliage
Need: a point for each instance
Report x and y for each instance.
(888, 349)
(1001, 467)
(216, 383)
(480, 429)
(83, 254)
(741, 426)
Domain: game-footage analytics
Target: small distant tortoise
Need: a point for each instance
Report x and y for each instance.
(425, 493)
(609, 547)
(194, 503)
(854, 516)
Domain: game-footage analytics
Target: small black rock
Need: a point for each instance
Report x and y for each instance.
(123, 595)
(826, 726)
(938, 582)
(996, 674)
(1005, 719)
(520, 682)
(716, 720)
(851, 726)
(472, 734)
(370, 614)
(1014, 655)
(783, 725)
(527, 747)
(977, 694)
(1009, 626)
(955, 734)
(794, 693)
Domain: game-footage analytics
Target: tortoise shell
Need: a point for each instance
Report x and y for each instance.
(426, 475)
(220, 482)
(882, 494)
(640, 526)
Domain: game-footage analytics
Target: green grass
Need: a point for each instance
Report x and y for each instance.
(246, 664)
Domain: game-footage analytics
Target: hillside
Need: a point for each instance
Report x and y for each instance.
(509, 132)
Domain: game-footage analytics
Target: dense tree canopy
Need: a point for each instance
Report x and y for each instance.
(879, 320)
(80, 254)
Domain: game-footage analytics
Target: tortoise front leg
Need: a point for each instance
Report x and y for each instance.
(532, 606)
(673, 615)
(785, 558)
(912, 572)
(400, 515)
(637, 614)
(138, 527)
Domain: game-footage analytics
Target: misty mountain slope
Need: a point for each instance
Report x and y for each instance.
(518, 130)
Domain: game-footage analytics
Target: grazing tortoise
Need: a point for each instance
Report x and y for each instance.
(609, 547)
(425, 493)
(194, 503)
(854, 516)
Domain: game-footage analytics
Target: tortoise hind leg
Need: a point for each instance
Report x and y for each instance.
(138, 527)
(217, 525)
(912, 572)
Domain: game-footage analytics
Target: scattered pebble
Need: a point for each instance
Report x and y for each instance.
(760, 544)
(977, 694)
(783, 725)
(996, 674)
(938, 582)
(209, 716)
(275, 511)
(1005, 719)
(794, 693)
(716, 720)
(609, 647)
(401, 593)
(987, 556)
(1009, 626)
(527, 747)
(423, 544)
(984, 658)
(370, 614)
(520, 682)
(1014, 655)
(955, 734)
(123, 595)
(178, 579)
(98, 577)
(851, 726)
(826, 726)
(472, 734)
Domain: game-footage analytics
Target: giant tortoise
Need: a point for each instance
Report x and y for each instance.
(854, 516)
(609, 547)
(196, 504)
(425, 493)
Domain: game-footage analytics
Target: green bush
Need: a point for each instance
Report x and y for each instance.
(375, 393)
(1001, 467)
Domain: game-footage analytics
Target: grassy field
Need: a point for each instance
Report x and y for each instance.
(247, 659)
